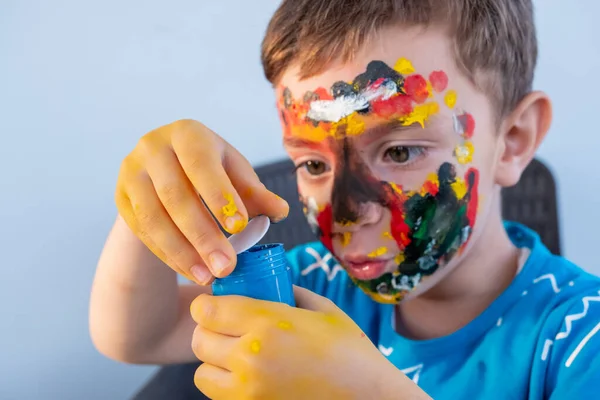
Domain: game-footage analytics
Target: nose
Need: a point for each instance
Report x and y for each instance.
(368, 214)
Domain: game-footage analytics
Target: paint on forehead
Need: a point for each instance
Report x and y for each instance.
(380, 93)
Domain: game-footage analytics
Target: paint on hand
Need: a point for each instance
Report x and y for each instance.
(378, 253)
(255, 346)
(230, 208)
(286, 326)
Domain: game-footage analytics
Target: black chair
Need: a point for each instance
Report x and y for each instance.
(531, 202)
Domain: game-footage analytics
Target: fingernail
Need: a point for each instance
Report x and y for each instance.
(219, 262)
(235, 224)
(202, 275)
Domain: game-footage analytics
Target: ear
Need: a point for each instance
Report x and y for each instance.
(521, 134)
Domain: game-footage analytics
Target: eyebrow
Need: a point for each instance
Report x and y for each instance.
(374, 132)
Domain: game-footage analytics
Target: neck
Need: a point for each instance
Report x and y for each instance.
(482, 275)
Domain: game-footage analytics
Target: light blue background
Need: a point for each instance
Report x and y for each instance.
(81, 81)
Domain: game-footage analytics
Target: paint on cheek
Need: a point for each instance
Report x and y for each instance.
(378, 253)
(464, 152)
(325, 223)
(387, 235)
(255, 346)
(346, 238)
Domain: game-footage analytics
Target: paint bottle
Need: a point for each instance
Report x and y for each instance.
(262, 272)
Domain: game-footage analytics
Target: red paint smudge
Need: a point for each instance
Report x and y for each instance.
(416, 87)
(439, 81)
(431, 187)
(323, 94)
(399, 105)
(325, 221)
(469, 124)
(474, 196)
(399, 228)
(362, 335)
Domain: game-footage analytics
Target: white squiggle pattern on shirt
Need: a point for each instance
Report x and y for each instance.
(416, 370)
(581, 344)
(321, 263)
(569, 319)
(552, 280)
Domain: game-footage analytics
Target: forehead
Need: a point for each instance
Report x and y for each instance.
(427, 49)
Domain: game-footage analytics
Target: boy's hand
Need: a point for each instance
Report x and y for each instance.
(171, 180)
(254, 349)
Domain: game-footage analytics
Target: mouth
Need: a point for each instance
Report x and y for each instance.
(366, 269)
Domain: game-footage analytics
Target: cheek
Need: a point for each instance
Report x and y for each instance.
(320, 191)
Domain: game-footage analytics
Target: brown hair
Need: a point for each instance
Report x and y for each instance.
(495, 41)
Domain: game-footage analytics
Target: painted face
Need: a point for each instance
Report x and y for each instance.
(391, 206)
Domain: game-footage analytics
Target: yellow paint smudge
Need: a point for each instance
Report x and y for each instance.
(255, 346)
(352, 125)
(386, 298)
(420, 114)
(399, 259)
(346, 223)
(387, 235)
(286, 326)
(396, 188)
(346, 238)
(460, 188)
(404, 67)
(230, 208)
(464, 152)
(378, 253)
(450, 98)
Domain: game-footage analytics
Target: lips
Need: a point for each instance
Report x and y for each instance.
(366, 269)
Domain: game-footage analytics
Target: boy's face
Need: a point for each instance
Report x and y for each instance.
(395, 153)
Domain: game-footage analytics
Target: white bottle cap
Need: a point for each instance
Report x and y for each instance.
(251, 235)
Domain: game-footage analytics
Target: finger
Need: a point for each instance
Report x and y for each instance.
(126, 213)
(216, 383)
(308, 300)
(213, 348)
(154, 222)
(257, 198)
(191, 217)
(232, 315)
(199, 151)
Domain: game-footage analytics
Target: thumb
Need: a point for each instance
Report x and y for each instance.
(311, 301)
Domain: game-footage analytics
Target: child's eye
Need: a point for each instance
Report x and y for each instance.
(314, 168)
(403, 154)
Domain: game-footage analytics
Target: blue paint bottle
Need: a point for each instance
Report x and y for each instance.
(262, 272)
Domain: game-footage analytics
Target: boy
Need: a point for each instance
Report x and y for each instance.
(405, 118)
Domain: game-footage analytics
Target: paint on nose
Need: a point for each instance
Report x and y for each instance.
(354, 186)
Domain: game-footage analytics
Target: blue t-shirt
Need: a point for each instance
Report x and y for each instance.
(540, 339)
